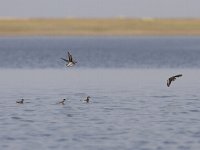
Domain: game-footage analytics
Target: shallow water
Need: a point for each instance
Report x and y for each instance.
(129, 109)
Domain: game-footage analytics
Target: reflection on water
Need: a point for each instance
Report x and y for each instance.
(129, 109)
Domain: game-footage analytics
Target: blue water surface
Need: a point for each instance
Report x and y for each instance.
(131, 108)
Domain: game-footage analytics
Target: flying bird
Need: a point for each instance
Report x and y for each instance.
(70, 62)
(173, 78)
(21, 101)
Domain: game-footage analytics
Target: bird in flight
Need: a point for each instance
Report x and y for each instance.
(173, 78)
(21, 101)
(70, 61)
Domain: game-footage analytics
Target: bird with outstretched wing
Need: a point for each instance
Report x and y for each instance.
(70, 61)
(173, 78)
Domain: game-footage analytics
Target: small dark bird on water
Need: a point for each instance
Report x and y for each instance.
(173, 78)
(21, 101)
(70, 61)
(87, 99)
(62, 102)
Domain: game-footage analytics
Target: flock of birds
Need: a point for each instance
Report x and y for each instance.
(70, 63)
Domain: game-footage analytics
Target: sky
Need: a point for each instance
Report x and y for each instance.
(100, 8)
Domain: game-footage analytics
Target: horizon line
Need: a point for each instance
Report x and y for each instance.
(117, 17)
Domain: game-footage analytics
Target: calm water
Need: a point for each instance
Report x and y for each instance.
(131, 107)
(101, 52)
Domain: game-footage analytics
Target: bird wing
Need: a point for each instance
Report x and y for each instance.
(179, 75)
(65, 59)
(70, 57)
(169, 82)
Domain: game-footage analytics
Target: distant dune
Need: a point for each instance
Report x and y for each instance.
(95, 27)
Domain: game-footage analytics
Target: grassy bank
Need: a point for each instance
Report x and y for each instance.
(87, 27)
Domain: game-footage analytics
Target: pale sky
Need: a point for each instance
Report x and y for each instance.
(100, 8)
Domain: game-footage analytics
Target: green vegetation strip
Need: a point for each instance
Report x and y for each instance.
(93, 27)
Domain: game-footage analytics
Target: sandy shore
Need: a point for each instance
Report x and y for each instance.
(98, 27)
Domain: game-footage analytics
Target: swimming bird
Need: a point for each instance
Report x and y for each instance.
(21, 101)
(62, 102)
(173, 78)
(87, 99)
(70, 61)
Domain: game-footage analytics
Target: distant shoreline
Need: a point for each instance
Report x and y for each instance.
(99, 27)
